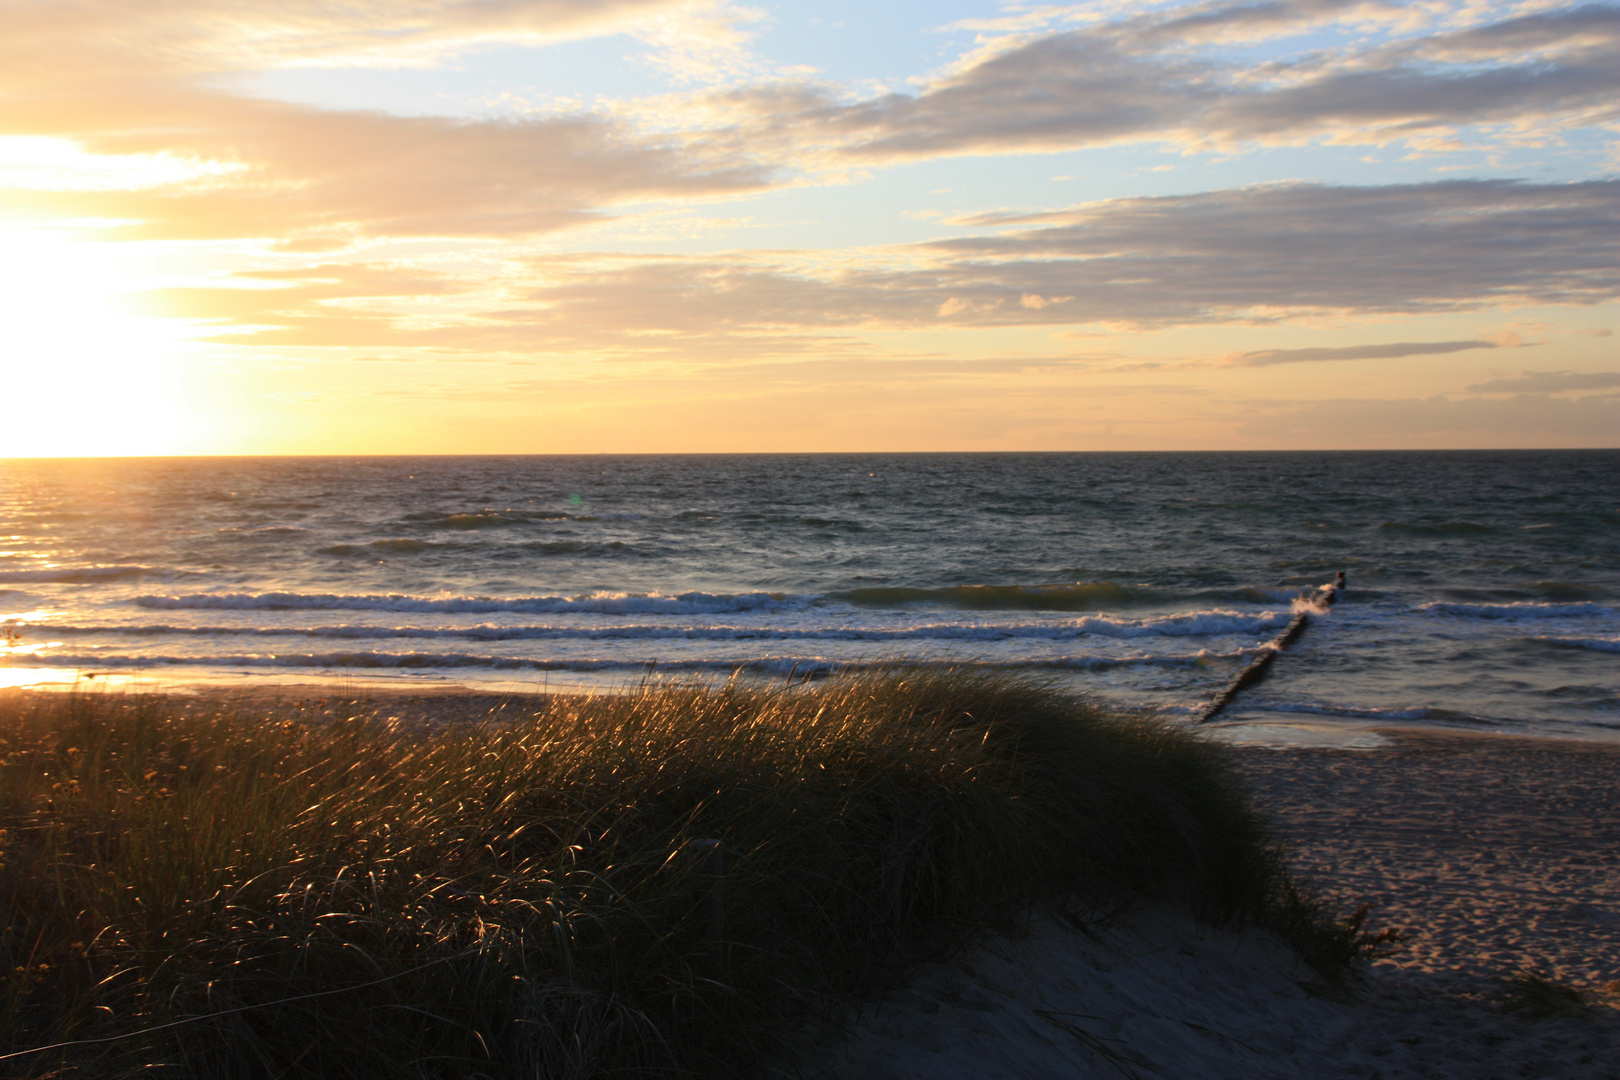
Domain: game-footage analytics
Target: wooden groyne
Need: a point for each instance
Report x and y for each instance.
(1326, 596)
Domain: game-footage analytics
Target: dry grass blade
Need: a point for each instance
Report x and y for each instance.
(518, 894)
(1539, 998)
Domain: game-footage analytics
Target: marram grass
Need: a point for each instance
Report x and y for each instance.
(230, 892)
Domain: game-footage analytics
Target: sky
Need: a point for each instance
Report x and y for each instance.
(628, 226)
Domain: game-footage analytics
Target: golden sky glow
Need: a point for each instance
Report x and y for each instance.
(666, 225)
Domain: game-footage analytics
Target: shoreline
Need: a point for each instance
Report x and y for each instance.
(1254, 730)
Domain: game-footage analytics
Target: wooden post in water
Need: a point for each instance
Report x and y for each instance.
(1326, 596)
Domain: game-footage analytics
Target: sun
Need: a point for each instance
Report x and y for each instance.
(82, 374)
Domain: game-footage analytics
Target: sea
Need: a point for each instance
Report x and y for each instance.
(1483, 588)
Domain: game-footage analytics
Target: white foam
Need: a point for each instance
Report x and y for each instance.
(1277, 736)
(1186, 624)
(803, 664)
(1418, 712)
(1195, 624)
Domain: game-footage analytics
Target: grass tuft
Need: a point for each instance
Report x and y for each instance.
(303, 892)
(1333, 947)
(1538, 998)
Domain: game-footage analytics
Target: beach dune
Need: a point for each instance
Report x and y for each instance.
(1499, 856)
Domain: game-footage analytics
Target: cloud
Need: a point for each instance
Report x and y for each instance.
(1394, 350)
(1262, 254)
(146, 82)
(1146, 78)
(1249, 254)
(138, 83)
(305, 171)
(1454, 245)
(190, 36)
(1549, 382)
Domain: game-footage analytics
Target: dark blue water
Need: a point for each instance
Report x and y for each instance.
(1485, 586)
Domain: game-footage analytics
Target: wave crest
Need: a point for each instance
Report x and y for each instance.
(78, 575)
(1594, 644)
(1517, 610)
(1081, 596)
(690, 603)
(779, 664)
(1192, 624)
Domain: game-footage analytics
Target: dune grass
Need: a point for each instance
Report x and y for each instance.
(352, 895)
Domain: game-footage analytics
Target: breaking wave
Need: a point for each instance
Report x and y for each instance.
(427, 660)
(1595, 644)
(1084, 596)
(1364, 713)
(690, 603)
(1192, 624)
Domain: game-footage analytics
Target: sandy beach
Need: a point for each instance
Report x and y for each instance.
(1499, 855)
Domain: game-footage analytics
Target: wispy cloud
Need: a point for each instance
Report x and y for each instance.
(1391, 351)
(302, 172)
(139, 81)
(1252, 255)
(1145, 78)
(136, 82)
(340, 232)
(198, 36)
(1549, 382)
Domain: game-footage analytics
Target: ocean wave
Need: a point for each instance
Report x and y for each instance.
(806, 520)
(1595, 644)
(1081, 596)
(265, 530)
(467, 520)
(452, 660)
(1192, 624)
(1435, 529)
(544, 547)
(406, 546)
(689, 603)
(479, 519)
(1518, 610)
(1354, 712)
(1186, 624)
(78, 575)
(1252, 594)
(1569, 591)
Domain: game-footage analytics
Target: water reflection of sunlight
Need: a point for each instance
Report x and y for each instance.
(19, 678)
(13, 649)
(20, 619)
